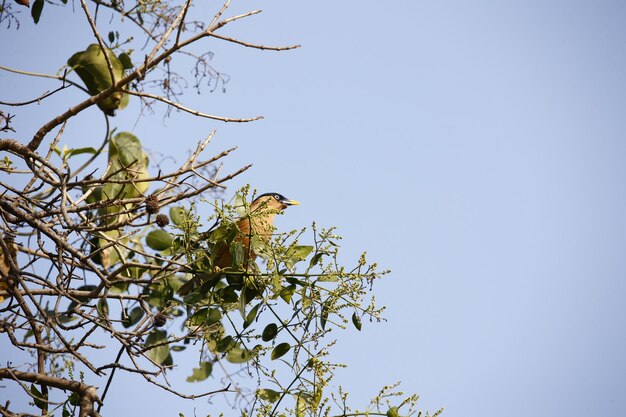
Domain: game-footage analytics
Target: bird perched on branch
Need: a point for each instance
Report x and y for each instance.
(256, 225)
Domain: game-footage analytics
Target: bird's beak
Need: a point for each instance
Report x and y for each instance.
(291, 202)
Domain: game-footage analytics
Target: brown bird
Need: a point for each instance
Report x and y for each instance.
(257, 223)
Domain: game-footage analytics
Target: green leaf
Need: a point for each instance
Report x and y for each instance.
(96, 194)
(238, 355)
(316, 258)
(296, 281)
(127, 162)
(268, 395)
(249, 293)
(133, 317)
(159, 239)
(127, 63)
(74, 399)
(110, 250)
(225, 344)
(270, 332)
(324, 313)
(127, 149)
(35, 11)
(169, 361)
(159, 354)
(192, 299)
(92, 68)
(64, 318)
(103, 308)
(213, 316)
(287, 292)
(251, 315)
(392, 412)
(356, 320)
(201, 373)
(317, 397)
(328, 278)
(38, 398)
(296, 254)
(240, 205)
(133, 272)
(305, 401)
(237, 254)
(178, 216)
(79, 151)
(111, 37)
(199, 317)
(225, 233)
(301, 405)
(85, 288)
(229, 294)
(280, 350)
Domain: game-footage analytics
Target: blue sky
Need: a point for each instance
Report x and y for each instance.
(477, 149)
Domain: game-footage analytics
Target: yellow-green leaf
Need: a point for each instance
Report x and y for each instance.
(80, 151)
(238, 355)
(178, 215)
(127, 162)
(201, 373)
(268, 394)
(159, 239)
(392, 412)
(159, 354)
(92, 68)
(296, 254)
(287, 292)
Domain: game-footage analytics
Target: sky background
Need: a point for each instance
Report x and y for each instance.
(475, 148)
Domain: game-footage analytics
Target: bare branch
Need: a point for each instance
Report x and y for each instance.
(191, 111)
(252, 45)
(224, 22)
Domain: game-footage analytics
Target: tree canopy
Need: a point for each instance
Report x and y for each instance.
(98, 241)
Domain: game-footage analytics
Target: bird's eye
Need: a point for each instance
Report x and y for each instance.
(277, 197)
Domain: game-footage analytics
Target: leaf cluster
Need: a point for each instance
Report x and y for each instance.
(100, 245)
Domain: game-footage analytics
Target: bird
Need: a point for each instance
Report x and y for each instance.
(257, 223)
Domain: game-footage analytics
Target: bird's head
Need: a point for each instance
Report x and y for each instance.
(272, 201)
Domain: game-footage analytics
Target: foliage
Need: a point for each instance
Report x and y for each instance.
(105, 255)
(99, 71)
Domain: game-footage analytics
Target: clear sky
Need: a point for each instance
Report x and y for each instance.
(475, 148)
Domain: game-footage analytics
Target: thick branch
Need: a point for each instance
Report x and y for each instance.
(87, 393)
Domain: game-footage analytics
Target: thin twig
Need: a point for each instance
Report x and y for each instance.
(190, 111)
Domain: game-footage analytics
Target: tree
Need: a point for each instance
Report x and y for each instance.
(97, 243)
